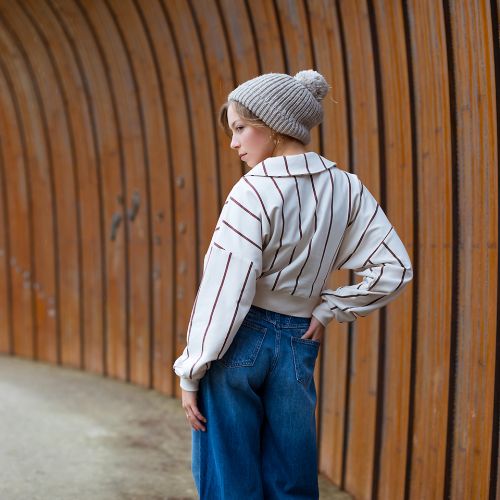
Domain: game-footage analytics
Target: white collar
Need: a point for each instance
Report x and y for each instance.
(291, 165)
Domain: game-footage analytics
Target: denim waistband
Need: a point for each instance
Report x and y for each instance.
(256, 312)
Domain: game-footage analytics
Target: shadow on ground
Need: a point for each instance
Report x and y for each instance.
(70, 435)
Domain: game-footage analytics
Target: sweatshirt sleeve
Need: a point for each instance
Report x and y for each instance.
(372, 248)
(231, 266)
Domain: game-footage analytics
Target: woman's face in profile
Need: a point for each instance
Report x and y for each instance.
(253, 144)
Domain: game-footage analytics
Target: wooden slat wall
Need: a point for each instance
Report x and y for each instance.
(395, 343)
(432, 360)
(364, 336)
(325, 26)
(113, 172)
(477, 184)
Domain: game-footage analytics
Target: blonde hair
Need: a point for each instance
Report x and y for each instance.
(247, 116)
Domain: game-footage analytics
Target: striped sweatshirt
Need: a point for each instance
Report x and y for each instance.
(284, 227)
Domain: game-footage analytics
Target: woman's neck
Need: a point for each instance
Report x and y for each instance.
(289, 148)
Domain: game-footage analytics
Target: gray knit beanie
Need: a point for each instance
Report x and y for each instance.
(289, 105)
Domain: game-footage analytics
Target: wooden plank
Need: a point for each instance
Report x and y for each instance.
(267, 36)
(145, 61)
(434, 185)
(297, 45)
(394, 411)
(477, 165)
(65, 307)
(108, 288)
(240, 26)
(142, 90)
(365, 331)
(215, 46)
(87, 180)
(295, 35)
(5, 282)
(162, 186)
(241, 42)
(327, 47)
(205, 211)
(114, 31)
(35, 31)
(183, 218)
(497, 388)
(235, 17)
(106, 129)
(198, 92)
(44, 346)
(17, 184)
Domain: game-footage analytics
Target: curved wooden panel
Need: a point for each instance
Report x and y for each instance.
(17, 201)
(477, 171)
(88, 179)
(203, 209)
(221, 80)
(396, 333)
(41, 273)
(294, 24)
(61, 141)
(268, 46)
(162, 200)
(137, 197)
(364, 335)
(430, 383)
(110, 163)
(235, 16)
(113, 171)
(6, 287)
(202, 123)
(328, 50)
(58, 135)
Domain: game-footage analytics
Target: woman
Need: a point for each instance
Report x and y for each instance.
(262, 307)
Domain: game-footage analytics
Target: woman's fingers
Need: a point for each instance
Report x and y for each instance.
(315, 331)
(193, 414)
(196, 419)
(313, 335)
(198, 415)
(308, 335)
(196, 423)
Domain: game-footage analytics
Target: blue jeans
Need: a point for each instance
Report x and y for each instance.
(259, 400)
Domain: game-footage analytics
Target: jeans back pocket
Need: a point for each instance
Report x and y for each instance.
(245, 346)
(305, 352)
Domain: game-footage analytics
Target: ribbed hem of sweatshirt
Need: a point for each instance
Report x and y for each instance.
(189, 384)
(284, 303)
(324, 314)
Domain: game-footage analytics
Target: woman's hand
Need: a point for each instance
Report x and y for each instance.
(315, 331)
(191, 408)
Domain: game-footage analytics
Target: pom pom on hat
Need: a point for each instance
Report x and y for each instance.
(314, 82)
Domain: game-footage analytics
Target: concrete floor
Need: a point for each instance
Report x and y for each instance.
(70, 435)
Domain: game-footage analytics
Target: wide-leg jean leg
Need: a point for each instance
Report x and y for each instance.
(289, 450)
(226, 458)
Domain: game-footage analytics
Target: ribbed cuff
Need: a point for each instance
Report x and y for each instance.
(189, 384)
(323, 313)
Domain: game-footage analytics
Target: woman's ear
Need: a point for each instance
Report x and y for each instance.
(223, 120)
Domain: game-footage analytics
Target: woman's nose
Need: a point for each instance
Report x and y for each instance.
(234, 143)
